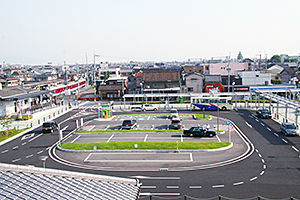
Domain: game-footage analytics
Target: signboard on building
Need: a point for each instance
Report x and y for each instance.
(214, 88)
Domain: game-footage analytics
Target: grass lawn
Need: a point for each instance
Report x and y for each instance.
(12, 132)
(145, 145)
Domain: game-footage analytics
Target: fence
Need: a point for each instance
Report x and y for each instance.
(46, 114)
(185, 197)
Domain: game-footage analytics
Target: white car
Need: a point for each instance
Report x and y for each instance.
(174, 113)
(148, 107)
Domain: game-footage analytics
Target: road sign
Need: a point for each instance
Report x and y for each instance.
(228, 122)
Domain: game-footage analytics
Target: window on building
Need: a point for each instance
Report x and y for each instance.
(190, 89)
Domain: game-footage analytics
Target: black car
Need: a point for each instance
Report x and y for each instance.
(129, 124)
(264, 113)
(199, 131)
(49, 127)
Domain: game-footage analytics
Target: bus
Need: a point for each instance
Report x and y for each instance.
(211, 103)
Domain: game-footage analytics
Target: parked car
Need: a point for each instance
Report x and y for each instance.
(288, 129)
(199, 131)
(136, 108)
(173, 113)
(148, 107)
(175, 123)
(129, 124)
(264, 113)
(49, 127)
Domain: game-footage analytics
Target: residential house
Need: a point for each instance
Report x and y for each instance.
(193, 82)
(162, 80)
(113, 87)
(275, 71)
(255, 77)
(287, 74)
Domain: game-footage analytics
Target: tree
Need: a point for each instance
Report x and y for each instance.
(240, 56)
(6, 121)
(276, 59)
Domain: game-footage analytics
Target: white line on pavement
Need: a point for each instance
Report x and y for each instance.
(4, 151)
(295, 148)
(195, 187)
(262, 160)
(40, 152)
(218, 186)
(107, 127)
(284, 141)
(172, 187)
(148, 186)
(268, 129)
(24, 143)
(145, 139)
(181, 138)
(254, 178)
(248, 124)
(262, 173)
(238, 183)
(218, 138)
(75, 139)
(264, 166)
(35, 137)
(16, 160)
(15, 147)
(29, 156)
(191, 157)
(276, 134)
(159, 194)
(262, 124)
(109, 139)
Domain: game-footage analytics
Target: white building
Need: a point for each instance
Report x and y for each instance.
(255, 77)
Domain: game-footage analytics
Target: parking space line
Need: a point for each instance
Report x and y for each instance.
(218, 138)
(148, 118)
(75, 139)
(148, 186)
(195, 187)
(191, 157)
(254, 178)
(276, 134)
(172, 186)
(91, 128)
(109, 139)
(284, 141)
(145, 139)
(181, 138)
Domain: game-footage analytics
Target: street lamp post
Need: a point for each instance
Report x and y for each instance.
(95, 76)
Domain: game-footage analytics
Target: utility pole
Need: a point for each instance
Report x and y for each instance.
(228, 69)
(94, 79)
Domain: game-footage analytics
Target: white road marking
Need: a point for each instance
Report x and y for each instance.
(16, 160)
(75, 138)
(238, 183)
(256, 150)
(64, 128)
(159, 194)
(40, 152)
(264, 166)
(15, 147)
(259, 155)
(156, 178)
(91, 128)
(251, 116)
(262, 173)
(4, 151)
(35, 137)
(195, 187)
(284, 141)
(262, 124)
(148, 118)
(29, 156)
(295, 148)
(191, 157)
(152, 127)
(256, 120)
(27, 136)
(254, 178)
(276, 134)
(262, 160)
(107, 127)
(24, 143)
(248, 124)
(109, 139)
(218, 138)
(269, 129)
(149, 186)
(218, 186)
(181, 138)
(172, 187)
(145, 139)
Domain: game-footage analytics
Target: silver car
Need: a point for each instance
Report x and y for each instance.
(288, 129)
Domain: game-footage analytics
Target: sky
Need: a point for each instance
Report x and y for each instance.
(72, 31)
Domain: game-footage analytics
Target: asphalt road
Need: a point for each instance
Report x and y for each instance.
(272, 170)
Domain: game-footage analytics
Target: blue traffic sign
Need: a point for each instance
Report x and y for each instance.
(228, 122)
